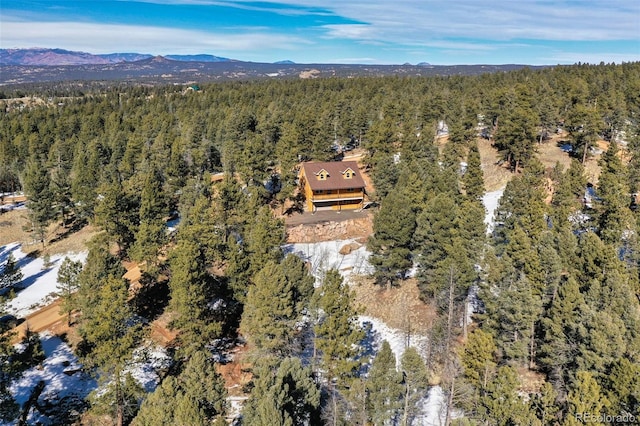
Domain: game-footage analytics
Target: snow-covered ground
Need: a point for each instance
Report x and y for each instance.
(38, 285)
(491, 201)
(326, 255)
(65, 383)
(148, 362)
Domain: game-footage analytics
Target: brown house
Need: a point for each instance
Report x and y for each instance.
(335, 185)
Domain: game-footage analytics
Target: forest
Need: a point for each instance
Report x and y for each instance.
(557, 280)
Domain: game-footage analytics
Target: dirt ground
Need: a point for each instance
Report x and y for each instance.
(399, 307)
(14, 225)
(46, 318)
(496, 175)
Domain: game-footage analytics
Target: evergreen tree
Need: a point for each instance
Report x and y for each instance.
(269, 314)
(516, 135)
(518, 312)
(585, 125)
(545, 405)
(501, 404)
(196, 396)
(393, 228)
(416, 383)
(265, 238)
(38, 191)
(99, 265)
(479, 358)
(473, 178)
(615, 217)
(337, 332)
(284, 393)
(110, 336)
(585, 400)
(11, 274)
(159, 406)
(124, 394)
(68, 284)
(384, 385)
(151, 233)
(297, 273)
(191, 290)
(116, 213)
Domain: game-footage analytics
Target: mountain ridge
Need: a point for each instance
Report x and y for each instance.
(39, 56)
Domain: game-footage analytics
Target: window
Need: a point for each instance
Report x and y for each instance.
(348, 174)
(323, 174)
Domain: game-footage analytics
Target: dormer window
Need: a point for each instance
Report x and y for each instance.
(322, 174)
(348, 174)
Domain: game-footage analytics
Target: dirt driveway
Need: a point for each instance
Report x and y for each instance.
(324, 216)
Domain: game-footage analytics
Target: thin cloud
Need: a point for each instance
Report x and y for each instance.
(403, 20)
(105, 38)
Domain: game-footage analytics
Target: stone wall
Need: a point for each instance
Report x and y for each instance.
(358, 229)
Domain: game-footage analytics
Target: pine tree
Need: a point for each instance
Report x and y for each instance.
(545, 405)
(68, 284)
(284, 393)
(479, 358)
(151, 233)
(393, 228)
(384, 384)
(416, 383)
(159, 406)
(201, 383)
(502, 404)
(99, 265)
(473, 178)
(11, 274)
(518, 311)
(585, 399)
(37, 188)
(116, 213)
(337, 332)
(269, 314)
(297, 273)
(111, 336)
(615, 217)
(196, 396)
(265, 238)
(191, 290)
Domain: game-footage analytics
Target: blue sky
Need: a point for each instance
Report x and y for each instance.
(442, 32)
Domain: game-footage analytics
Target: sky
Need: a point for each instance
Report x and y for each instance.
(439, 32)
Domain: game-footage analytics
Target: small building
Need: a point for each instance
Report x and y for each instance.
(334, 185)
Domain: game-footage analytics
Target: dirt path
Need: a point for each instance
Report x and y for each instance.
(45, 319)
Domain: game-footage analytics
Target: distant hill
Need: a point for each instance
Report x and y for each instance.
(34, 66)
(37, 56)
(55, 57)
(125, 57)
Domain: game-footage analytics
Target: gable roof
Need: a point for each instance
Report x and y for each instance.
(336, 179)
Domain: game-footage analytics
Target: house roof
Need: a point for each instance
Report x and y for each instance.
(335, 178)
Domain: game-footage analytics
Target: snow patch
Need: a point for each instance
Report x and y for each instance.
(39, 284)
(491, 200)
(148, 362)
(325, 255)
(62, 374)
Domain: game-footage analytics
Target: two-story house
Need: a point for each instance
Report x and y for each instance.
(336, 185)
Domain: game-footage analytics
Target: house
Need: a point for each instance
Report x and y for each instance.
(336, 185)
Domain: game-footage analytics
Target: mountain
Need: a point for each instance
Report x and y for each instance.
(38, 56)
(125, 57)
(55, 57)
(285, 62)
